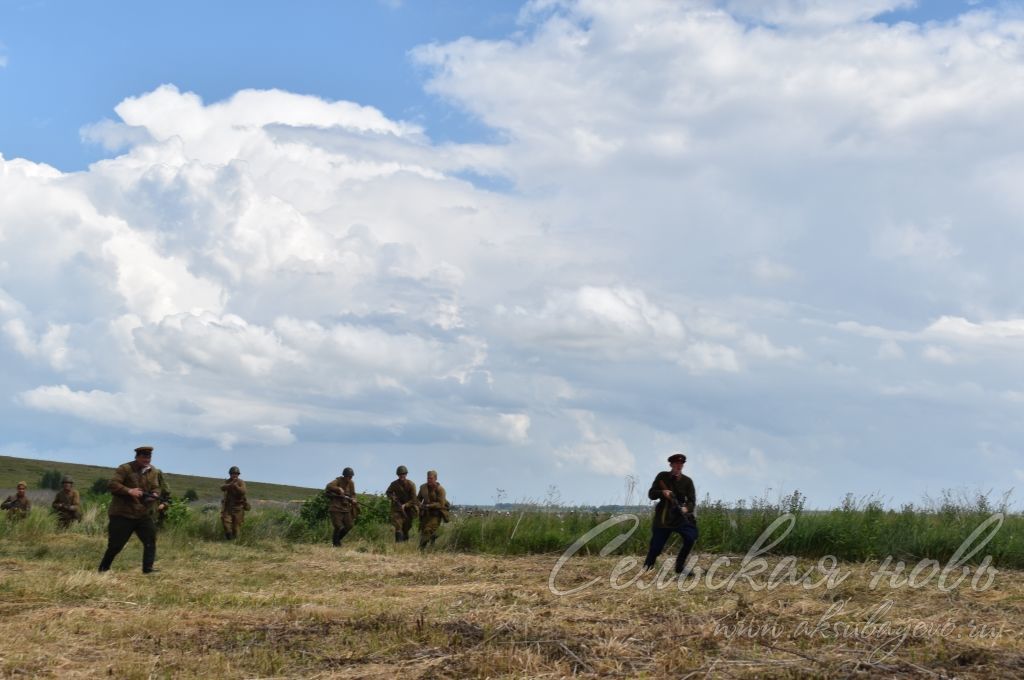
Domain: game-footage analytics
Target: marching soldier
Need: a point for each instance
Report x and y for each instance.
(674, 512)
(433, 509)
(18, 504)
(135, 498)
(67, 503)
(234, 504)
(344, 507)
(402, 493)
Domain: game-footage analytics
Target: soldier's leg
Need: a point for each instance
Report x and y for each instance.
(689, 534)
(397, 518)
(119, 530)
(239, 518)
(338, 522)
(659, 537)
(428, 529)
(348, 521)
(226, 522)
(145, 529)
(406, 527)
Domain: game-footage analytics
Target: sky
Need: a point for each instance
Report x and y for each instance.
(537, 246)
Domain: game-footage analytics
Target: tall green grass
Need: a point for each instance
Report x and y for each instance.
(859, 529)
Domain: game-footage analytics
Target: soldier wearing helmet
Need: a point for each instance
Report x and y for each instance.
(234, 504)
(402, 494)
(67, 503)
(343, 508)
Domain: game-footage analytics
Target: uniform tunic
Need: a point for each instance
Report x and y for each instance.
(233, 505)
(402, 493)
(68, 505)
(433, 511)
(343, 509)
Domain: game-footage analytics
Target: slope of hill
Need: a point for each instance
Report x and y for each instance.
(13, 470)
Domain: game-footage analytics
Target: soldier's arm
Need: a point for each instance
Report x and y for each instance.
(28, 503)
(656, 489)
(692, 506)
(165, 489)
(6, 504)
(117, 484)
(333, 489)
(76, 500)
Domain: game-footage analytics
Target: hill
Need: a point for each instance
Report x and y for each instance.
(12, 470)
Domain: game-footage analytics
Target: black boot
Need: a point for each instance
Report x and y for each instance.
(227, 535)
(336, 537)
(398, 537)
(405, 536)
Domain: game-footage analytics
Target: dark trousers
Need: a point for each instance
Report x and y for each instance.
(660, 536)
(118, 533)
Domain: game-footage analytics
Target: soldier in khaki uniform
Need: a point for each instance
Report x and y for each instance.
(135, 499)
(402, 494)
(344, 507)
(67, 503)
(18, 504)
(433, 509)
(234, 504)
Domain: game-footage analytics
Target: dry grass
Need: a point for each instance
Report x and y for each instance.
(219, 610)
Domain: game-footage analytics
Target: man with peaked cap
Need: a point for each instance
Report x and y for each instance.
(402, 493)
(433, 509)
(674, 513)
(343, 508)
(234, 504)
(67, 503)
(135, 491)
(18, 504)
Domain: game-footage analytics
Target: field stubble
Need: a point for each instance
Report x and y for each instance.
(284, 610)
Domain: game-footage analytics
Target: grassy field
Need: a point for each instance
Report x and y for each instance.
(376, 610)
(13, 470)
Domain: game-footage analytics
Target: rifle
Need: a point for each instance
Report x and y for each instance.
(678, 507)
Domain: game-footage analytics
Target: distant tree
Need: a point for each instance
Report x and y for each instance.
(99, 487)
(191, 495)
(50, 479)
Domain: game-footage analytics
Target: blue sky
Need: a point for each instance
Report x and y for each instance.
(529, 245)
(69, 63)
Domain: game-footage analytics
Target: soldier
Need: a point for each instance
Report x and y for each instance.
(433, 509)
(18, 504)
(402, 493)
(344, 507)
(234, 504)
(67, 503)
(677, 501)
(135, 492)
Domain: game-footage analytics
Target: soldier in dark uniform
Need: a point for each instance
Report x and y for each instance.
(67, 503)
(234, 504)
(344, 508)
(677, 502)
(135, 492)
(402, 493)
(18, 504)
(433, 509)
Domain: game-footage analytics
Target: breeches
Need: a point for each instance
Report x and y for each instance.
(401, 521)
(342, 519)
(232, 520)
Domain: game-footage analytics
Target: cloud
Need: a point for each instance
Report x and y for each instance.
(596, 450)
(716, 219)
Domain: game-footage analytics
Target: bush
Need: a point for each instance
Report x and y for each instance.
(50, 479)
(191, 496)
(99, 487)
